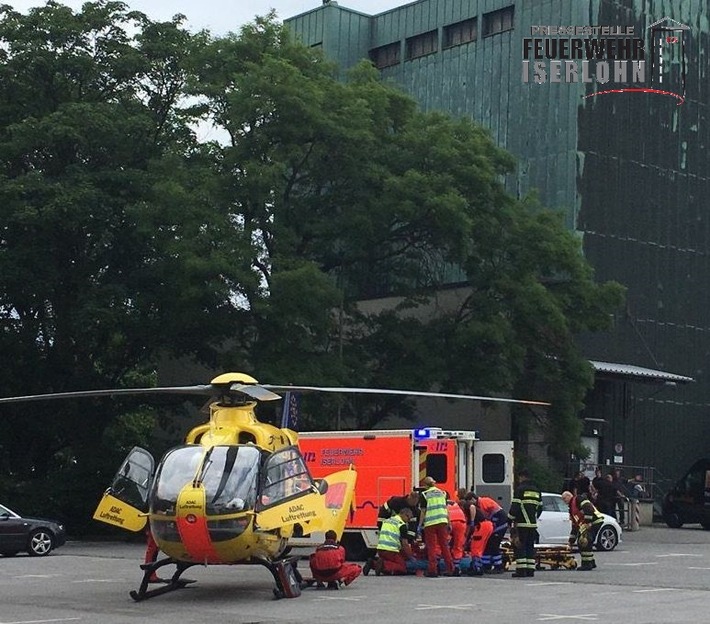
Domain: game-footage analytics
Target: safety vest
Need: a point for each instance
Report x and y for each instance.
(436, 512)
(456, 514)
(390, 538)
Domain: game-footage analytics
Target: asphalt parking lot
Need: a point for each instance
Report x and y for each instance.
(657, 575)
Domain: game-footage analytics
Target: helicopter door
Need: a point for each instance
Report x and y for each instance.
(287, 494)
(125, 502)
(339, 499)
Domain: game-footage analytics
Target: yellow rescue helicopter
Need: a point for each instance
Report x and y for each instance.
(235, 492)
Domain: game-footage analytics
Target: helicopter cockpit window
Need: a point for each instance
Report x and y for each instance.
(177, 469)
(230, 477)
(285, 476)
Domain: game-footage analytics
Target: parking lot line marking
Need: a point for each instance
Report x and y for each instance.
(679, 555)
(354, 599)
(698, 568)
(655, 589)
(544, 617)
(425, 607)
(93, 581)
(541, 583)
(74, 619)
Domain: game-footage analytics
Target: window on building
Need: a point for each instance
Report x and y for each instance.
(498, 21)
(423, 44)
(386, 55)
(460, 33)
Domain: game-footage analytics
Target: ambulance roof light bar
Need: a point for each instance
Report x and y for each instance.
(437, 433)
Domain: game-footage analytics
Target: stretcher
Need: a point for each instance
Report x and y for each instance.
(547, 556)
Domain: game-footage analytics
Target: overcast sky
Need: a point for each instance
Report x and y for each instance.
(222, 16)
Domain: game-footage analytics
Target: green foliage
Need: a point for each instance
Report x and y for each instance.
(547, 479)
(124, 240)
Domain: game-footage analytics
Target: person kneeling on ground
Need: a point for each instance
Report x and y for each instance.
(393, 548)
(328, 563)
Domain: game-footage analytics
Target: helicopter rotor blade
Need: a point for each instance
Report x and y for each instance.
(444, 395)
(82, 394)
(258, 392)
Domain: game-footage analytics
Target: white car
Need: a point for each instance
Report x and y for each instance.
(554, 524)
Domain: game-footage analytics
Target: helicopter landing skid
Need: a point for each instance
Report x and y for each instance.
(288, 579)
(171, 584)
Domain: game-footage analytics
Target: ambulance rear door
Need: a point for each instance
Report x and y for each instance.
(440, 463)
(493, 470)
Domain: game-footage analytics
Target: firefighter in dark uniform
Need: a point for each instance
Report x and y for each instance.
(586, 522)
(525, 508)
(394, 505)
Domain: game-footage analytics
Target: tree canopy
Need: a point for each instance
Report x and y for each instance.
(125, 240)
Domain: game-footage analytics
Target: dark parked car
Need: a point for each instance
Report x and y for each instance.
(36, 536)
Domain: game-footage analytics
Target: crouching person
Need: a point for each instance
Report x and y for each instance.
(586, 522)
(328, 563)
(393, 547)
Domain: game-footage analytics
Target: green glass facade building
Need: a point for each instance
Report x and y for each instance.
(630, 169)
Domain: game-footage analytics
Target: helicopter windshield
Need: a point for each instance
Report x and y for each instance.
(176, 470)
(229, 475)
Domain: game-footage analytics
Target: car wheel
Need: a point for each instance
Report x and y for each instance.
(40, 543)
(8, 553)
(607, 538)
(673, 520)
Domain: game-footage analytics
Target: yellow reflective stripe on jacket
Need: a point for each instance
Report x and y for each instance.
(524, 507)
(436, 512)
(390, 537)
(591, 514)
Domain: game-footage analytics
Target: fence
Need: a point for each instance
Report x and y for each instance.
(634, 510)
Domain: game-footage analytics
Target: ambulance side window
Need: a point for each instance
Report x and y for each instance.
(436, 467)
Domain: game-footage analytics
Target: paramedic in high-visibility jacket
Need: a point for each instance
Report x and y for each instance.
(328, 563)
(393, 549)
(434, 525)
(394, 505)
(586, 521)
(525, 508)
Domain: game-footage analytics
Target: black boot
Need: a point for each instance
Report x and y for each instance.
(369, 564)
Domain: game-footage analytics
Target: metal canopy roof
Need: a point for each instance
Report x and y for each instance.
(638, 373)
